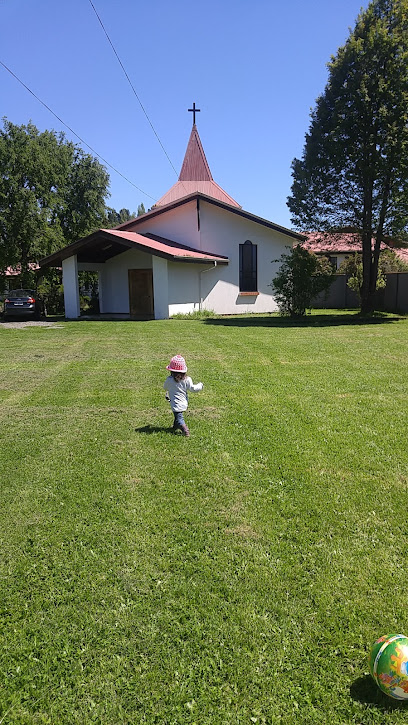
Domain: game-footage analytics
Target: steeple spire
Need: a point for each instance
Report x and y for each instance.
(195, 166)
(195, 175)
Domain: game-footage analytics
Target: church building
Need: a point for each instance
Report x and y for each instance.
(195, 249)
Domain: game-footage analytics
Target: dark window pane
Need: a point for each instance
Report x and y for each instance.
(248, 281)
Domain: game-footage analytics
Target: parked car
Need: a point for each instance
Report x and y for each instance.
(22, 303)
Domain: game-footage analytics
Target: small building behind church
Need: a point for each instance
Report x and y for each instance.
(196, 249)
(339, 246)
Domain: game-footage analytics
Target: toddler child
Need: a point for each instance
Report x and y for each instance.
(177, 384)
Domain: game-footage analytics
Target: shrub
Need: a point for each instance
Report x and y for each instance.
(301, 277)
(51, 291)
(353, 268)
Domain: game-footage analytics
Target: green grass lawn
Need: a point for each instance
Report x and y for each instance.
(238, 576)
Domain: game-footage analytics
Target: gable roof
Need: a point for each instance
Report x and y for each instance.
(198, 196)
(107, 243)
(195, 175)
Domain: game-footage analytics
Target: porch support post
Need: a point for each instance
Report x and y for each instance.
(160, 288)
(71, 290)
(101, 278)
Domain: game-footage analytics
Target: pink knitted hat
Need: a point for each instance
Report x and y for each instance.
(177, 364)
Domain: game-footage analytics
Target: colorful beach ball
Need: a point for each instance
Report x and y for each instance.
(389, 665)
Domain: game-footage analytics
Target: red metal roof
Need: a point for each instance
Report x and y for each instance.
(106, 243)
(185, 188)
(152, 243)
(195, 166)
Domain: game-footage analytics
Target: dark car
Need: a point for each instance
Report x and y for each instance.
(22, 303)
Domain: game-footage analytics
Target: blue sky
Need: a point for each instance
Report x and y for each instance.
(254, 69)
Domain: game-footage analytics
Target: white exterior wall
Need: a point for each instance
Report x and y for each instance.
(179, 225)
(160, 288)
(223, 232)
(184, 287)
(340, 258)
(115, 281)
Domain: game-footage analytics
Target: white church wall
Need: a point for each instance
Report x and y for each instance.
(115, 281)
(184, 287)
(160, 288)
(222, 232)
(179, 225)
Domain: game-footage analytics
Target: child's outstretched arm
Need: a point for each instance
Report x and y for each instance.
(195, 388)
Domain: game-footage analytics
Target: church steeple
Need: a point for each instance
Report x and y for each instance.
(195, 174)
(195, 166)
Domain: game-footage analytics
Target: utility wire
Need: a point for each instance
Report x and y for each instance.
(75, 134)
(132, 87)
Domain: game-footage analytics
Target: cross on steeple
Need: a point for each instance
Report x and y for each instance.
(194, 110)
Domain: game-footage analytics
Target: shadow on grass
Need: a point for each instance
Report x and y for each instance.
(307, 321)
(154, 429)
(108, 318)
(365, 690)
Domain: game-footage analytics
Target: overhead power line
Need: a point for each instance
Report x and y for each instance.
(132, 87)
(75, 134)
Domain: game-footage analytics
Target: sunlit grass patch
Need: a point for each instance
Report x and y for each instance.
(234, 577)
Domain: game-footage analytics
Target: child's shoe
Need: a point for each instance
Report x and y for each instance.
(185, 431)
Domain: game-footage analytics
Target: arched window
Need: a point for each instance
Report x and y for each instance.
(248, 273)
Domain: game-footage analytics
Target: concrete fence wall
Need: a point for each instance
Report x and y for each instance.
(394, 298)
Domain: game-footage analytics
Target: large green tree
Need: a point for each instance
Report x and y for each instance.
(51, 193)
(354, 168)
(114, 218)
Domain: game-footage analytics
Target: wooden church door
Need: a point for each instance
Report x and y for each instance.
(141, 293)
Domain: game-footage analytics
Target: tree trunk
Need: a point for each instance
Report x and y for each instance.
(24, 274)
(380, 228)
(371, 256)
(366, 295)
(367, 292)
